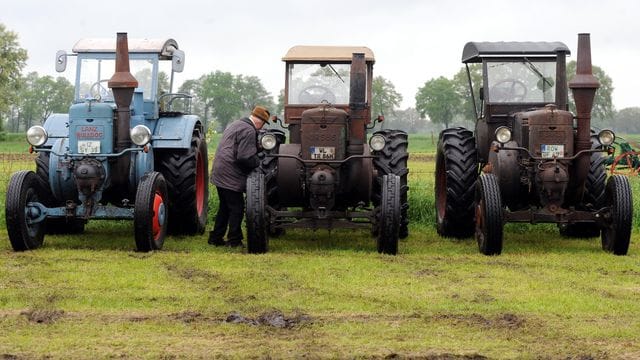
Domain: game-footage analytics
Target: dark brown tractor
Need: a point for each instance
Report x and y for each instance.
(327, 176)
(530, 159)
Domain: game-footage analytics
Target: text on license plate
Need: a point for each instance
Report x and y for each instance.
(551, 151)
(89, 147)
(322, 152)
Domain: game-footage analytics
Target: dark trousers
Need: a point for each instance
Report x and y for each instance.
(230, 213)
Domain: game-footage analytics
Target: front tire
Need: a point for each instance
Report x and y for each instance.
(390, 217)
(151, 216)
(392, 159)
(489, 216)
(616, 234)
(23, 188)
(456, 176)
(257, 220)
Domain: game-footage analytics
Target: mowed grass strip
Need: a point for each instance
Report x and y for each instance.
(322, 295)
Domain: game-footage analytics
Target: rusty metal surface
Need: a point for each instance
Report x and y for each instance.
(324, 127)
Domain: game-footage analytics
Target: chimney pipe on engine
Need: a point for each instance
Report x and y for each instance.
(122, 83)
(583, 86)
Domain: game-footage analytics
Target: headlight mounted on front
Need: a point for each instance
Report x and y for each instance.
(606, 137)
(268, 141)
(503, 134)
(37, 135)
(140, 135)
(377, 142)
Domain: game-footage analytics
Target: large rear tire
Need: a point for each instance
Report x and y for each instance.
(489, 215)
(22, 189)
(616, 234)
(150, 219)
(389, 213)
(594, 196)
(187, 177)
(257, 220)
(393, 160)
(456, 175)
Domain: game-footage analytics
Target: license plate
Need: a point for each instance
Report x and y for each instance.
(551, 151)
(89, 147)
(323, 152)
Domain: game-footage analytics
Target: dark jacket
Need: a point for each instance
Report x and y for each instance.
(236, 156)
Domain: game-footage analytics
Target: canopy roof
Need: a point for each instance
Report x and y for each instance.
(474, 51)
(326, 53)
(162, 47)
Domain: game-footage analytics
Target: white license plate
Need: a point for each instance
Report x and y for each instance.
(551, 151)
(323, 152)
(89, 147)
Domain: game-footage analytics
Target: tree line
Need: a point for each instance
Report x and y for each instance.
(220, 97)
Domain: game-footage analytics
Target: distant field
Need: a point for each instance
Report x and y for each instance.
(320, 294)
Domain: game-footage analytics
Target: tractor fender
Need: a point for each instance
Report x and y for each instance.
(141, 163)
(505, 165)
(290, 183)
(56, 125)
(61, 179)
(174, 132)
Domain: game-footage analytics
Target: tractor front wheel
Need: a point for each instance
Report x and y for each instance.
(257, 219)
(151, 215)
(389, 213)
(617, 232)
(489, 215)
(23, 189)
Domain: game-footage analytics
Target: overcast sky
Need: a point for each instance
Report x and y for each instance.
(413, 41)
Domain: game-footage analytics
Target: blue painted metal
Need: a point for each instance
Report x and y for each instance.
(57, 126)
(174, 132)
(37, 212)
(91, 121)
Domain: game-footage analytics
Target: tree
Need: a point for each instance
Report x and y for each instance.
(439, 100)
(627, 120)
(12, 60)
(461, 83)
(603, 110)
(385, 97)
(38, 98)
(253, 93)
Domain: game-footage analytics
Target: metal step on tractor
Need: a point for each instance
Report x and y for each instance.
(327, 176)
(530, 159)
(127, 149)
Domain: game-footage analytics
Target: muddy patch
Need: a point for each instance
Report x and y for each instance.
(190, 273)
(427, 272)
(43, 316)
(9, 357)
(187, 317)
(274, 318)
(444, 356)
(503, 321)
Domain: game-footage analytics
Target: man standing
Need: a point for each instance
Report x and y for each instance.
(236, 157)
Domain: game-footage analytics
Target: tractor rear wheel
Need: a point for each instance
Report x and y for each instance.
(23, 188)
(186, 174)
(393, 160)
(54, 225)
(389, 215)
(456, 175)
(489, 215)
(594, 196)
(257, 220)
(617, 233)
(150, 219)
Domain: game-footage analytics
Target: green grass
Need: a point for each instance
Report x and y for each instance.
(92, 296)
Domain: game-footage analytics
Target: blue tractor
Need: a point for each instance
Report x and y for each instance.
(128, 149)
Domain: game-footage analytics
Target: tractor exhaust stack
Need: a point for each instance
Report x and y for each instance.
(122, 84)
(583, 86)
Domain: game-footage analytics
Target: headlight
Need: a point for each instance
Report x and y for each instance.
(37, 135)
(503, 134)
(140, 135)
(606, 137)
(268, 141)
(377, 142)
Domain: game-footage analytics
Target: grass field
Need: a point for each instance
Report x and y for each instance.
(320, 294)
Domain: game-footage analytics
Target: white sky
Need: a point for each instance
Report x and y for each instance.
(413, 41)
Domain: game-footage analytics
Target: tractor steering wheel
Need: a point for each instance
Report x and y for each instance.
(508, 90)
(98, 91)
(316, 94)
